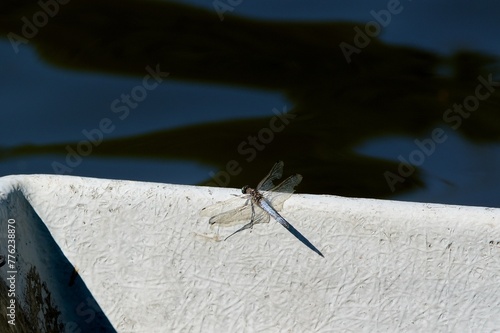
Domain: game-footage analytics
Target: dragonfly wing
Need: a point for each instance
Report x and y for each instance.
(234, 216)
(288, 185)
(261, 216)
(278, 195)
(240, 215)
(223, 206)
(275, 173)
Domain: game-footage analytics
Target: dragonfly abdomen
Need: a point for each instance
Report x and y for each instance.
(265, 205)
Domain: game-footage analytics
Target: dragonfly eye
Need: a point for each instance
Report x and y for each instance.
(244, 189)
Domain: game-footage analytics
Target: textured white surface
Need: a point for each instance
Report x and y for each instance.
(154, 264)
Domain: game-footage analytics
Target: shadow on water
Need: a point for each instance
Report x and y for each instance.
(386, 90)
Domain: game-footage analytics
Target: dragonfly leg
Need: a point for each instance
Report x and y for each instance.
(252, 219)
(246, 226)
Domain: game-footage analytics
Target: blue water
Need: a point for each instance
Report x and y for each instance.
(42, 104)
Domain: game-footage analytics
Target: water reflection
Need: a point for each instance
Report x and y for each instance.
(384, 90)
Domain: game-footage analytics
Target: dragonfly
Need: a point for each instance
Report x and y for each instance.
(261, 204)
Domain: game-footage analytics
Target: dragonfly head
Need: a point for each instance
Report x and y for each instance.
(244, 189)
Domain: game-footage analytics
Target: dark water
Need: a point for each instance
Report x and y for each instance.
(405, 107)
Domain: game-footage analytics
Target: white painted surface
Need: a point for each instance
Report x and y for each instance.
(154, 265)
